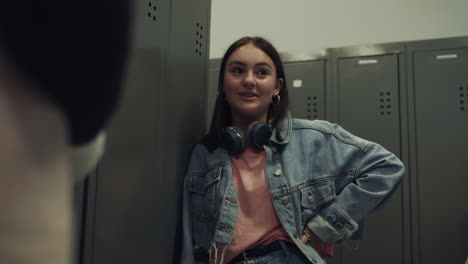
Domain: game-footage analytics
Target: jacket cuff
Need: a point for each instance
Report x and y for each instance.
(332, 224)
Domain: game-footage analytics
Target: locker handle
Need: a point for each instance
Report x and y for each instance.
(447, 56)
(368, 62)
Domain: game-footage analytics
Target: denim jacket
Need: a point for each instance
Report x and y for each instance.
(319, 176)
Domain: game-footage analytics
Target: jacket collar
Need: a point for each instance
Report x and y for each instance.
(219, 157)
(285, 131)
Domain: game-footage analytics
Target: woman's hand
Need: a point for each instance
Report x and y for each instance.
(309, 236)
(324, 249)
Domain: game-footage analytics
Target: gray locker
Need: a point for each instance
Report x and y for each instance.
(133, 214)
(368, 99)
(306, 88)
(212, 92)
(440, 154)
(83, 223)
(367, 90)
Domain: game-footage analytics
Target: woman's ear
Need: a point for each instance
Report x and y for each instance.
(279, 85)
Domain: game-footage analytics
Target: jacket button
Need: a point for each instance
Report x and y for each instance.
(285, 200)
(227, 230)
(231, 200)
(277, 172)
(311, 199)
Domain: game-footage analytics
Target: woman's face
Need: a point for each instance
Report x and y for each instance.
(250, 82)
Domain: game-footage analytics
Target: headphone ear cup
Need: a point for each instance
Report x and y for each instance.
(233, 140)
(258, 134)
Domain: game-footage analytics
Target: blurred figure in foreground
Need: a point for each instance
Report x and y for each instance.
(61, 67)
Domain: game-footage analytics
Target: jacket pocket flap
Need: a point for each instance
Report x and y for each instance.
(315, 195)
(199, 182)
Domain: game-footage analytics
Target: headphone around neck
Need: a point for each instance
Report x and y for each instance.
(235, 141)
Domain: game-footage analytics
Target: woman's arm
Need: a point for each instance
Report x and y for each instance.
(377, 175)
(187, 244)
(197, 163)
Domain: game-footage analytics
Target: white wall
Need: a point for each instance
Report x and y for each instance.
(301, 25)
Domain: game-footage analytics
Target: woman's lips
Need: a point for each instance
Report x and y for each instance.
(248, 96)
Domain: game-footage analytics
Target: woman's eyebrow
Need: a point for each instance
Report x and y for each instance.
(237, 62)
(244, 64)
(264, 64)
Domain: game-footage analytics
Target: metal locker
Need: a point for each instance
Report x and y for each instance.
(83, 224)
(441, 154)
(367, 103)
(130, 172)
(212, 92)
(306, 88)
(138, 184)
(368, 99)
(184, 116)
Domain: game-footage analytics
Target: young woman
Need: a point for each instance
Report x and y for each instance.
(262, 187)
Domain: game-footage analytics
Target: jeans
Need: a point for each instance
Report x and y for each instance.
(287, 255)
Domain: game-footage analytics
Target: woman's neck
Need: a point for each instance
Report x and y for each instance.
(244, 122)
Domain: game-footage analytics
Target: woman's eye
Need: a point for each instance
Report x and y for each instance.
(263, 73)
(236, 70)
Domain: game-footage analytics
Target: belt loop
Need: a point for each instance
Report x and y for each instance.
(246, 259)
(284, 248)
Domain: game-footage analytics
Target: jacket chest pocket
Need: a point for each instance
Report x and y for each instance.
(314, 196)
(202, 187)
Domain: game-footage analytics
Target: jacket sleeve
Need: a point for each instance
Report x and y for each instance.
(197, 162)
(187, 244)
(377, 175)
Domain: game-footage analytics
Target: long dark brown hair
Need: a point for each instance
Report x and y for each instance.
(222, 111)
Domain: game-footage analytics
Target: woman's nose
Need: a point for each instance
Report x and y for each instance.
(249, 80)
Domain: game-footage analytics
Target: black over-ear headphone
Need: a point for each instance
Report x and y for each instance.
(235, 141)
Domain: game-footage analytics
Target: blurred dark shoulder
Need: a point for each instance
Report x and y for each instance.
(74, 51)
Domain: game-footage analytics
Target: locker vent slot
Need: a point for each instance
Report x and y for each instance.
(152, 9)
(312, 107)
(463, 98)
(385, 103)
(199, 39)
